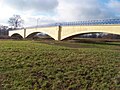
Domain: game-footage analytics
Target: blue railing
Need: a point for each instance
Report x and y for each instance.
(92, 22)
(82, 23)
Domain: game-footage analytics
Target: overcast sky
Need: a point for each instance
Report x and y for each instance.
(50, 11)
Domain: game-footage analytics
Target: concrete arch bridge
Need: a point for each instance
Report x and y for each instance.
(60, 31)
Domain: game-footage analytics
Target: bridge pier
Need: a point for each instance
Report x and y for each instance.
(24, 33)
(59, 32)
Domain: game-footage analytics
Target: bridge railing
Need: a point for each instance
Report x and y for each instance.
(84, 23)
(81, 23)
(92, 22)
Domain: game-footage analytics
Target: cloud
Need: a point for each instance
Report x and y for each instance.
(35, 5)
(50, 11)
(83, 10)
(37, 20)
(29, 10)
(114, 5)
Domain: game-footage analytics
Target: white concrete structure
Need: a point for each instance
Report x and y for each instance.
(62, 32)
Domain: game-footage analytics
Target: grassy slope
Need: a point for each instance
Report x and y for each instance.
(27, 65)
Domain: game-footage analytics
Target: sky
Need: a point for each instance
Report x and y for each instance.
(51, 11)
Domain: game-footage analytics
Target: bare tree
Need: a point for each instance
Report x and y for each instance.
(16, 21)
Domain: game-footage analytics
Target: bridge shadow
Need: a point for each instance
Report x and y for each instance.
(101, 42)
(115, 44)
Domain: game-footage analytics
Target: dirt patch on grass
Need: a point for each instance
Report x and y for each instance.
(65, 44)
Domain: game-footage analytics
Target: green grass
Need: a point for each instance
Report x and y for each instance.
(30, 65)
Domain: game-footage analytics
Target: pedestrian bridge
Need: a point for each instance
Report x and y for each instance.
(60, 31)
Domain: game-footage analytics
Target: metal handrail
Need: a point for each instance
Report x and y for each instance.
(81, 23)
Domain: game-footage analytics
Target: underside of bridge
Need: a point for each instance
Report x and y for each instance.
(16, 36)
(39, 35)
(93, 35)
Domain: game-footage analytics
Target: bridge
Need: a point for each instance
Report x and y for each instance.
(60, 31)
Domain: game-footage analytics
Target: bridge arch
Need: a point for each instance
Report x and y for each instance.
(34, 34)
(80, 34)
(72, 31)
(51, 31)
(16, 36)
(19, 32)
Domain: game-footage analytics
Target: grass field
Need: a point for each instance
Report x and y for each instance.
(32, 65)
